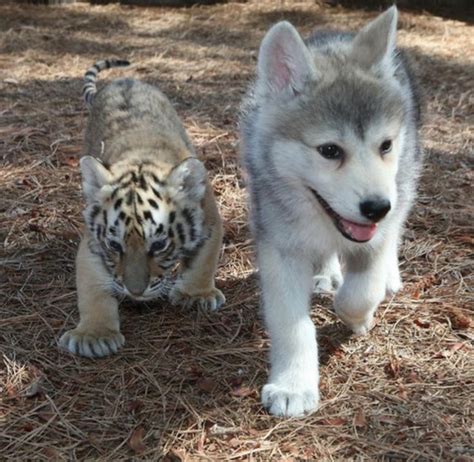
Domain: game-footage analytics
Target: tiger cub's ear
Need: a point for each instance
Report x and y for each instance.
(187, 181)
(94, 176)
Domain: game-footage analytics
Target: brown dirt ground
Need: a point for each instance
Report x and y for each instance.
(186, 385)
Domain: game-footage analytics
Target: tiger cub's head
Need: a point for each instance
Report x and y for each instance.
(141, 222)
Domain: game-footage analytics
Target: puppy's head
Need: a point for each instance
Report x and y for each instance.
(334, 116)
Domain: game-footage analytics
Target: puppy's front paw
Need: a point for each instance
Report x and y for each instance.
(95, 344)
(210, 300)
(288, 401)
(359, 326)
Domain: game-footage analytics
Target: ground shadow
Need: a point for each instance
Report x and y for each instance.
(461, 10)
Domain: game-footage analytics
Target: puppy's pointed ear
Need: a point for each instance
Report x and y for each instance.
(284, 61)
(188, 180)
(374, 45)
(94, 176)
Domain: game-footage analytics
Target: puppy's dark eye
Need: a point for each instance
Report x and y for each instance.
(330, 151)
(114, 245)
(386, 147)
(158, 246)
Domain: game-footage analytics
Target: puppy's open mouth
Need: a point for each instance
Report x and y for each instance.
(355, 232)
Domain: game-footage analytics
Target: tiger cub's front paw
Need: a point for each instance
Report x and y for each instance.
(92, 344)
(210, 300)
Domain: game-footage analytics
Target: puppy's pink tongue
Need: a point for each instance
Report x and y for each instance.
(359, 232)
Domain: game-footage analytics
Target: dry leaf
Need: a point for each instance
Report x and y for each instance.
(135, 442)
(359, 420)
(28, 427)
(402, 392)
(46, 413)
(206, 384)
(460, 321)
(176, 455)
(242, 392)
(456, 346)
(422, 323)
(449, 351)
(70, 161)
(334, 421)
(413, 377)
(51, 454)
(384, 418)
(392, 369)
(234, 443)
(134, 405)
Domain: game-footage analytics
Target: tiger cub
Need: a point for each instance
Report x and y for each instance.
(149, 209)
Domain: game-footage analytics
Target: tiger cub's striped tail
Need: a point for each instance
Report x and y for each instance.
(89, 89)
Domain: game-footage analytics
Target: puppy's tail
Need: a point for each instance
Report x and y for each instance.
(89, 89)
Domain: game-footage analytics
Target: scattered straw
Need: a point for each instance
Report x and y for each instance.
(187, 384)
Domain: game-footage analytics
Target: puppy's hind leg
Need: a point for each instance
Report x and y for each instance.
(329, 276)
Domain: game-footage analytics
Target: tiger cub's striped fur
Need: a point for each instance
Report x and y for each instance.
(149, 210)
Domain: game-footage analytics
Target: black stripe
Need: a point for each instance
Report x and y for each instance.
(157, 180)
(122, 215)
(172, 217)
(142, 182)
(181, 235)
(159, 230)
(156, 193)
(118, 203)
(90, 73)
(96, 67)
(105, 217)
(122, 177)
(171, 233)
(148, 216)
(153, 203)
(190, 222)
(94, 212)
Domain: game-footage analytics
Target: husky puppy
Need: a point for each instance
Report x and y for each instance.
(329, 141)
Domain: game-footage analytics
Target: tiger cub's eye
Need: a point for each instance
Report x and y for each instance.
(114, 245)
(158, 246)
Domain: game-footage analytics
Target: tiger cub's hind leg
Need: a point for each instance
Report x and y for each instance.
(98, 332)
(195, 285)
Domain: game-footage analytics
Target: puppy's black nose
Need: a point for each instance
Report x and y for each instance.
(375, 209)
